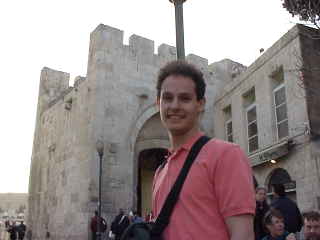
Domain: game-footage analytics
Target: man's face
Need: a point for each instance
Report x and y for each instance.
(261, 195)
(311, 229)
(276, 228)
(178, 104)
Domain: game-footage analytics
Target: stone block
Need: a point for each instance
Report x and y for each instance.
(106, 38)
(78, 80)
(200, 62)
(143, 49)
(167, 51)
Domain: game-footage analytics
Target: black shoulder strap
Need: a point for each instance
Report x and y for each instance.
(172, 198)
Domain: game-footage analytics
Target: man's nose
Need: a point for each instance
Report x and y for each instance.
(175, 103)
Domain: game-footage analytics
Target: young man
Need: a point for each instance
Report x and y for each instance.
(311, 225)
(217, 198)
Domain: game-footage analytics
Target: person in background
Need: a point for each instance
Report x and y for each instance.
(12, 231)
(288, 208)
(119, 224)
(95, 229)
(7, 223)
(135, 217)
(21, 230)
(311, 225)
(273, 221)
(262, 208)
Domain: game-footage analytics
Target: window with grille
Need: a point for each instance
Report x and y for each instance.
(228, 128)
(280, 108)
(252, 128)
(228, 124)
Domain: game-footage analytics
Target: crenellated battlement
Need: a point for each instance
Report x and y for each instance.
(167, 52)
(106, 37)
(106, 40)
(200, 62)
(142, 47)
(110, 57)
(54, 86)
(78, 80)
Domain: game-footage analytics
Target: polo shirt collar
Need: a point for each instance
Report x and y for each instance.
(188, 145)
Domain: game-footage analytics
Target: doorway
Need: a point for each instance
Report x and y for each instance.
(148, 162)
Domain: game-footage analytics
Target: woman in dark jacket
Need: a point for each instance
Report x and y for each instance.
(261, 209)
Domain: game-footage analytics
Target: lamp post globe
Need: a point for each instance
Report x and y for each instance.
(177, 1)
(99, 147)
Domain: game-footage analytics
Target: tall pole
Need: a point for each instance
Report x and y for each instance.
(99, 147)
(178, 5)
(99, 210)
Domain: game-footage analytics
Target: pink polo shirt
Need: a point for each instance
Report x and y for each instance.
(219, 185)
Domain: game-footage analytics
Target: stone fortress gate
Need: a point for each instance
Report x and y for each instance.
(114, 103)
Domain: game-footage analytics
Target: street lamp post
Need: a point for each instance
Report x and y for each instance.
(178, 5)
(99, 148)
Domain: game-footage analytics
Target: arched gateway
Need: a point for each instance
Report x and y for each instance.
(281, 176)
(150, 149)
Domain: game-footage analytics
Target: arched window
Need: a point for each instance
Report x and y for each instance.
(281, 176)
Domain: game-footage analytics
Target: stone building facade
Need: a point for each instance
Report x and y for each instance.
(115, 104)
(271, 112)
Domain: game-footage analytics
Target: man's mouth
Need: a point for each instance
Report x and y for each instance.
(174, 117)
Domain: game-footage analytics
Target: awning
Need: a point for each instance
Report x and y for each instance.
(272, 152)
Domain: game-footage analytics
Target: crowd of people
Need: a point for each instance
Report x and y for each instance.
(281, 219)
(119, 224)
(14, 231)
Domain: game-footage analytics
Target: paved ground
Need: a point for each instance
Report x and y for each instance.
(3, 233)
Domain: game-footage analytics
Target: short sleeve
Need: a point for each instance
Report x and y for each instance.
(233, 183)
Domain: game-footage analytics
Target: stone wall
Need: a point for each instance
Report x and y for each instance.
(59, 176)
(310, 78)
(285, 55)
(310, 81)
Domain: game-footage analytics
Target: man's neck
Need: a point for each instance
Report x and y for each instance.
(177, 140)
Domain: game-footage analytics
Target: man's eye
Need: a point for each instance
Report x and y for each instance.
(166, 98)
(185, 99)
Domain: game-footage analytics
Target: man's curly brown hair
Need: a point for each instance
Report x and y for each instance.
(182, 68)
